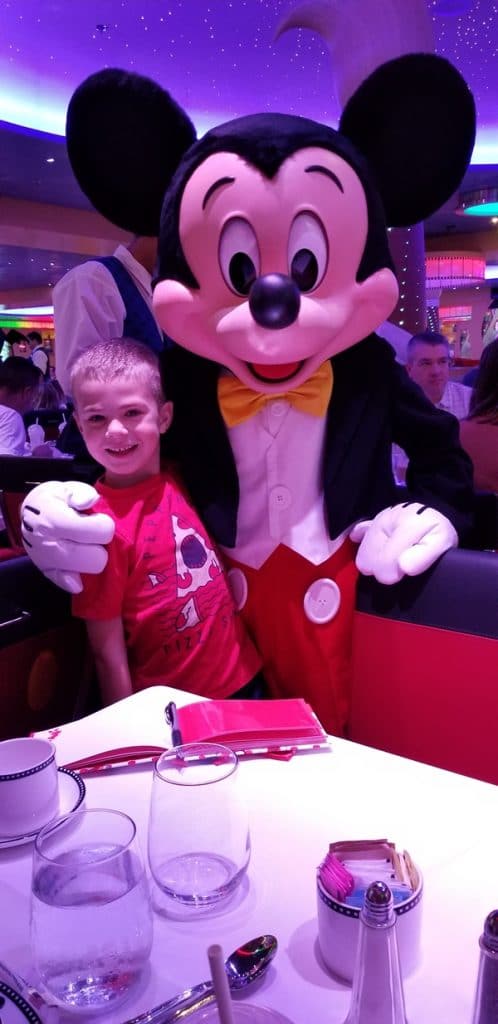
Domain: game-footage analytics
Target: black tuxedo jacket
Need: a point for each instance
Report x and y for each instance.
(374, 403)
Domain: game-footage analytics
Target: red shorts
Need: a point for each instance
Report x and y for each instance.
(303, 658)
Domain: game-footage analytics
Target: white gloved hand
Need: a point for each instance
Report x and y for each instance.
(58, 538)
(402, 540)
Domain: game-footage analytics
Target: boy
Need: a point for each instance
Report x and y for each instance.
(161, 612)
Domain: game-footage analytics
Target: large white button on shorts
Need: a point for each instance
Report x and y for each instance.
(322, 601)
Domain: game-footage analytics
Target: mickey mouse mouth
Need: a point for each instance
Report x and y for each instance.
(278, 374)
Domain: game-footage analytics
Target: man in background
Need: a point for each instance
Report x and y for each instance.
(104, 299)
(18, 344)
(100, 300)
(21, 385)
(428, 363)
(38, 353)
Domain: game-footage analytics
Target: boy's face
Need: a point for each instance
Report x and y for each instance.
(121, 422)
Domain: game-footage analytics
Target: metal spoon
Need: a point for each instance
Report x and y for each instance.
(245, 965)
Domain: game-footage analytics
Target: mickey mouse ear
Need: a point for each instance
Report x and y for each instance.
(125, 137)
(414, 120)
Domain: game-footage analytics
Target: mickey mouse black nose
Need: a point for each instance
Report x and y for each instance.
(274, 301)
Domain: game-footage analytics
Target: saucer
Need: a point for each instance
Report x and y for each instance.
(71, 795)
(15, 1009)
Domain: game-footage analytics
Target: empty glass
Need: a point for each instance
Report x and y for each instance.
(199, 844)
(243, 1013)
(91, 919)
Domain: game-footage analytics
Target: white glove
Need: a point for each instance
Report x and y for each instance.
(58, 538)
(405, 539)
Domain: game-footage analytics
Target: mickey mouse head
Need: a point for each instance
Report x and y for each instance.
(273, 249)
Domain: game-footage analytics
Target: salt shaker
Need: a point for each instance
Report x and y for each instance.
(377, 996)
(486, 997)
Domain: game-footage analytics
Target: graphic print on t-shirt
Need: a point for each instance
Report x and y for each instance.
(156, 578)
(198, 580)
(196, 564)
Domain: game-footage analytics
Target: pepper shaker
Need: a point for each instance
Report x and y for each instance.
(377, 996)
(486, 997)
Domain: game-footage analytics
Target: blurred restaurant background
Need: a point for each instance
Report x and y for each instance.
(223, 60)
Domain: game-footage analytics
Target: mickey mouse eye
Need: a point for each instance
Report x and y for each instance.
(239, 255)
(307, 251)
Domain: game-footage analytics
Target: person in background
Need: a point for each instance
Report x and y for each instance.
(103, 299)
(428, 362)
(5, 349)
(489, 332)
(464, 343)
(53, 396)
(111, 297)
(97, 301)
(479, 431)
(489, 329)
(52, 414)
(161, 612)
(21, 385)
(18, 343)
(38, 353)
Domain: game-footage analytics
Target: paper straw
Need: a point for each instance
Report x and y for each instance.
(220, 984)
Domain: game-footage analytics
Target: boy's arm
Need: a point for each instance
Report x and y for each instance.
(107, 642)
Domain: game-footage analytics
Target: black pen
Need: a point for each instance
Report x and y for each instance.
(171, 715)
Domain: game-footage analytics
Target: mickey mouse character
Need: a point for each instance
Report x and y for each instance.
(274, 270)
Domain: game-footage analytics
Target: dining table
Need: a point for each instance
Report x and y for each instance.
(297, 807)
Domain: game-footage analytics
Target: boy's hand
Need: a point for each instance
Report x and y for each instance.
(403, 540)
(59, 538)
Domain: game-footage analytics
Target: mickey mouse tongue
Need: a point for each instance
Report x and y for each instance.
(280, 372)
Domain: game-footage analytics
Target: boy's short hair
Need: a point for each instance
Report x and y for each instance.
(17, 373)
(121, 357)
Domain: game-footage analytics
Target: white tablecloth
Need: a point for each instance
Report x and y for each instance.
(448, 823)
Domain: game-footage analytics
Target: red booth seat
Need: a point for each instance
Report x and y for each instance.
(425, 671)
(46, 672)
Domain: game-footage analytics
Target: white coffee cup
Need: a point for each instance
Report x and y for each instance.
(29, 785)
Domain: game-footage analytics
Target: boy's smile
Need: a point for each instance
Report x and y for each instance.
(121, 423)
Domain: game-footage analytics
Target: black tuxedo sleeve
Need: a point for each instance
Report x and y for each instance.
(439, 473)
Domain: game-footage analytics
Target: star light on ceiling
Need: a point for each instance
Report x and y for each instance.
(219, 60)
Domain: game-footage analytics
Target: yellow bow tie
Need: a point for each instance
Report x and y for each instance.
(239, 402)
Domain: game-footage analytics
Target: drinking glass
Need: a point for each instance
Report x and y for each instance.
(243, 1013)
(91, 917)
(199, 844)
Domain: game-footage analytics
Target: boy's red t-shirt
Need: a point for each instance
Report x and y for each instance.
(165, 580)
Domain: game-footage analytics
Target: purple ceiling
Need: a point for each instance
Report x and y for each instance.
(35, 166)
(217, 58)
(36, 268)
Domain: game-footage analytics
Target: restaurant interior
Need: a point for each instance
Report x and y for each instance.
(229, 60)
(424, 650)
